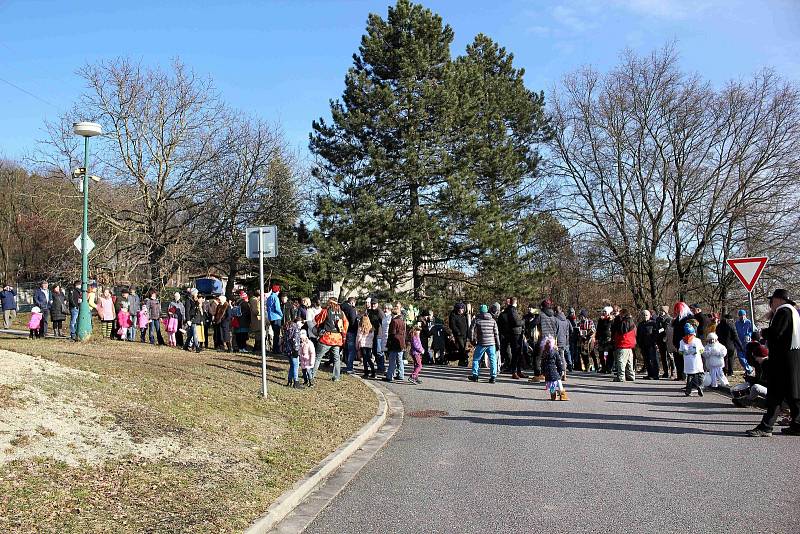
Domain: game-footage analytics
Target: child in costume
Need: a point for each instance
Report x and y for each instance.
(171, 325)
(553, 369)
(715, 353)
(692, 350)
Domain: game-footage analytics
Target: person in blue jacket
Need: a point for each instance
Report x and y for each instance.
(744, 329)
(275, 317)
(8, 302)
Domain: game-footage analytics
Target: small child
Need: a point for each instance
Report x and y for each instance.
(553, 369)
(364, 341)
(35, 322)
(308, 356)
(416, 355)
(692, 350)
(715, 353)
(143, 322)
(171, 325)
(292, 345)
(123, 322)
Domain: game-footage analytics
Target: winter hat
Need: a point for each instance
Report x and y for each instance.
(742, 312)
(484, 308)
(222, 299)
(712, 337)
(584, 313)
(688, 329)
(495, 308)
(303, 334)
(36, 309)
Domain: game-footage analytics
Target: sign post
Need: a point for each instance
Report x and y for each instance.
(748, 271)
(262, 241)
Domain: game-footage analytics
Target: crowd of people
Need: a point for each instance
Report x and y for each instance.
(683, 343)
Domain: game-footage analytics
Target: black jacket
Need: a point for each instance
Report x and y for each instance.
(458, 325)
(603, 333)
(352, 317)
(551, 365)
(727, 335)
(58, 307)
(75, 296)
(702, 321)
(512, 321)
(647, 334)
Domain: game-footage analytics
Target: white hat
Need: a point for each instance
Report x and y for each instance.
(712, 337)
(36, 309)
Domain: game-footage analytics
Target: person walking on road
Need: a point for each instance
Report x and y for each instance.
(487, 341)
(43, 299)
(554, 370)
(691, 348)
(783, 340)
(8, 301)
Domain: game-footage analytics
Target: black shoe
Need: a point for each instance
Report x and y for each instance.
(386, 379)
(687, 392)
(473, 378)
(197, 350)
(372, 375)
(790, 431)
(700, 392)
(365, 376)
(757, 432)
(492, 380)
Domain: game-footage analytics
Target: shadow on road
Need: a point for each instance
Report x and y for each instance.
(597, 421)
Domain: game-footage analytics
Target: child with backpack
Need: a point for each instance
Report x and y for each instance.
(692, 350)
(553, 368)
(35, 322)
(292, 344)
(416, 355)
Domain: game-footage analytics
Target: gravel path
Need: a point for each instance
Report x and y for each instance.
(632, 457)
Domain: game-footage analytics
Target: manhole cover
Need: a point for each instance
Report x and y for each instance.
(427, 413)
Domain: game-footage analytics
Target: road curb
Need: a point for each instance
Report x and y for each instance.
(290, 499)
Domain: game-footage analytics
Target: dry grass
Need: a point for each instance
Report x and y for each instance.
(253, 448)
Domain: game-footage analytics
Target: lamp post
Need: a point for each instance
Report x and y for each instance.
(84, 330)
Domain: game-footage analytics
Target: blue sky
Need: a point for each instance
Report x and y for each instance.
(283, 60)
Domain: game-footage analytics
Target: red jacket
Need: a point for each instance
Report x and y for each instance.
(626, 340)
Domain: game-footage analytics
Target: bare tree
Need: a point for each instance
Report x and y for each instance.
(655, 163)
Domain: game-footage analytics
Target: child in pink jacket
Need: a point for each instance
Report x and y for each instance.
(308, 356)
(143, 321)
(35, 322)
(123, 322)
(171, 324)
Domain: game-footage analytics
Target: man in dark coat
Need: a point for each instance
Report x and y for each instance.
(783, 340)
(43, 299)
(514, 325)
(547, 325)
(459, 327)
(726, 332)
(647, 340)
(702, 320)
(350, 311)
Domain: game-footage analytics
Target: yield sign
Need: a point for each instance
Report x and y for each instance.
(747, 270)
(89, 244)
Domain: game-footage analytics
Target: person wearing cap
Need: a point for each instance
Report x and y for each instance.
(486, 337)
(691, 348)
(783, 340)
(744, 330)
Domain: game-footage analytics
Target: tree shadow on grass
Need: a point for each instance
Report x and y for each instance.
(598, 422)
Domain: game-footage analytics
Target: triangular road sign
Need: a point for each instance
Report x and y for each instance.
(747, 270)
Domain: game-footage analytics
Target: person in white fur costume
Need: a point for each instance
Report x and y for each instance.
(714, 354)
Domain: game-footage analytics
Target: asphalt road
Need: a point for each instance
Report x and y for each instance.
(631, 457)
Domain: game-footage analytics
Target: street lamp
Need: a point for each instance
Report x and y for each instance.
(84, 330)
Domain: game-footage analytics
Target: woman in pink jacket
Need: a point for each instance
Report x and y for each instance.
(105, 312)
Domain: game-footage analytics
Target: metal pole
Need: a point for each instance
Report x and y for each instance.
(752, 311)
(261, 307)
(84, 313)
